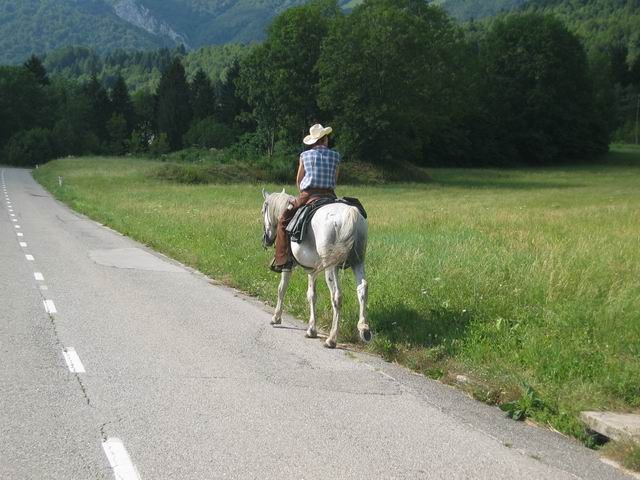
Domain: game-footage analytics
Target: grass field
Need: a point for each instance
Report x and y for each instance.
(515, 278)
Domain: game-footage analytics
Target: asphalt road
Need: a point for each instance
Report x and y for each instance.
(117, 362)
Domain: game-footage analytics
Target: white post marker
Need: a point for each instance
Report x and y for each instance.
(39, 276)
(29, 257)
(73, 360)
(119, 459)
(50, 307)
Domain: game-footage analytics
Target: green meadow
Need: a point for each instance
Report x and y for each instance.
(527, 281)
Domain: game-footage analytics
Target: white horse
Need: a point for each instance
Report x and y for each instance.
(336, 235)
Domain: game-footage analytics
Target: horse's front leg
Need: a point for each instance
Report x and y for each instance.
(311, 297)
(282, 289)
(362, 289)
(333, 282)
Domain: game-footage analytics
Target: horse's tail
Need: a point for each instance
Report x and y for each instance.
(346, 236)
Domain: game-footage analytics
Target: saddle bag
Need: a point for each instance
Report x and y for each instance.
(297, 227)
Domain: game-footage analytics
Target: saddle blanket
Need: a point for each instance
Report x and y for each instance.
(297, 227)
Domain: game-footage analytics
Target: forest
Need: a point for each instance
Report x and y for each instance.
(400, 81)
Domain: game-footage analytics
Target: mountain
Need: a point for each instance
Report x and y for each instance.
(38, 26)
(477, 9)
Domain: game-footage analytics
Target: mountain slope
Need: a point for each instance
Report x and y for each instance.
(476, 9)
(36, 26)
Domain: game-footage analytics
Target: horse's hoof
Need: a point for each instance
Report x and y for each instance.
(330, 344)
(365, 335)
(311, 333)
(276, 321)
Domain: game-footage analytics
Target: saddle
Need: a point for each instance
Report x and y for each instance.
(297, 227)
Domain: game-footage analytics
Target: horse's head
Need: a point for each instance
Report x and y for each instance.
(273, 206)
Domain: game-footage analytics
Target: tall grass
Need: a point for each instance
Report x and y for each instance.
(513, 277)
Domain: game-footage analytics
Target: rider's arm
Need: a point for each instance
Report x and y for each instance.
(300, 174)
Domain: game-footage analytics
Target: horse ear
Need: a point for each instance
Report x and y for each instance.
(283, 190)
(265, 194)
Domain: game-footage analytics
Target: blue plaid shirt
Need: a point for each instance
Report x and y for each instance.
(320, 167)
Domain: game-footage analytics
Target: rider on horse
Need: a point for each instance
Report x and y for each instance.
(316, 178)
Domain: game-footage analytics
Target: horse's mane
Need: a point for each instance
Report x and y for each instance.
(277, 204)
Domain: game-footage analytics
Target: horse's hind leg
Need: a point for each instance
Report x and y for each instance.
(311, 297)
(282, 289)
(362, 288)
(333, 282)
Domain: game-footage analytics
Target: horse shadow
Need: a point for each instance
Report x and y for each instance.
(435, 327)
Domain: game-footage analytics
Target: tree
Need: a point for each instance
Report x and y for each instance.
(278, 79)
(538, 94)
(173, 109)
(35, 66)
(22, 102)
(121, 103)
(393, 75)
(144, 107)
(72, 132)
(202, 96)
(30, 147)
(210, 133)
(118, 135)
(229, 106)
(100, 105)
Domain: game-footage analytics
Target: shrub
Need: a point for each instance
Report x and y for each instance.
(29, 147)
(159, 145)
(201, 174)
(282, 165)
(209, 133)
(138, 143)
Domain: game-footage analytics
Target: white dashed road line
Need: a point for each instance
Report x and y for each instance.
(117, 455)
(50, 307)
(119, 459)
(73, 360)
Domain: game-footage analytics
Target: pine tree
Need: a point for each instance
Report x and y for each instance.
(100, 107)
(228, 104)
(121, 102)
(35, 66)
(203, 97)
(173, 109)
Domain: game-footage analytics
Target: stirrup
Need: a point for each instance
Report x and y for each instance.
(287, 267)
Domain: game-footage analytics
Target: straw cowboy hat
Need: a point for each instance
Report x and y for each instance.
(316, 133)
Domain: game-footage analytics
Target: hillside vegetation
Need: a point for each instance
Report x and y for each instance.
(39, 26)
(477, 9)
(397, 79)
